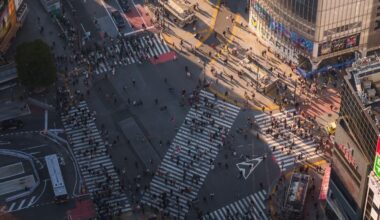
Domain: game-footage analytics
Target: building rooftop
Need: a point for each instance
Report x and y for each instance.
(364, 77)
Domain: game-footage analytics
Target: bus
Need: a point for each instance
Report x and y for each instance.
(57, 182)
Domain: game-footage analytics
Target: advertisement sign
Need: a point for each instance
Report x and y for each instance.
(325, 184)
(376, 167)
(4, 19)
(339, 44)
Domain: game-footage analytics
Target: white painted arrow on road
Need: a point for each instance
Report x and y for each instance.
(247, 167)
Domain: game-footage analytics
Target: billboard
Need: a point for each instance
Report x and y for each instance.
(376, 166)
(339, 44)
(5, 22)
(325, 184)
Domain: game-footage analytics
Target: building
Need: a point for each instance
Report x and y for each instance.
(12, 16)
(357, 129)
(317, 30)
(372, 206)
(52, 6)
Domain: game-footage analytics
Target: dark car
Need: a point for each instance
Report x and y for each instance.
(118, 18)
(11, 124)
(124, 5)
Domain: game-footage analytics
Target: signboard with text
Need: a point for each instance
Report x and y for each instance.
(339, 44)
(325, 184)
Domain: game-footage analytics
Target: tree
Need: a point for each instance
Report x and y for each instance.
(35, 64)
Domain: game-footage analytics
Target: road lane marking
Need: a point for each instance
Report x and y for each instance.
(21, 204)
(31, 201)
(12, 206)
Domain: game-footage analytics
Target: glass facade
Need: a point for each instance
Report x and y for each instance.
(305, 9)
(283, 24)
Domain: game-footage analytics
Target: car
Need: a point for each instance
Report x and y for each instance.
(124, 5)
(118, 18)
(11, 124)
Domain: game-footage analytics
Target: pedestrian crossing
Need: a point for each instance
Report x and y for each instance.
(290, 144)
(94, 162)
(191, 155)
(127, 51)
(250, 207)
(18, 205)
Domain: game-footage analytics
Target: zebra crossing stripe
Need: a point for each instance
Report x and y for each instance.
(99, 162)
(153, 47)
(11, 207)
(162, 42)
(175, 160)
(153, 44)
(249, 206)
(301, 147)
(31, 201)
(159, 45)
(21, 204)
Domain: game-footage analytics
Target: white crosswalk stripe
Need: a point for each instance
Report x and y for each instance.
(95, 164)
(190, 156)
(18, 205)
(288, 147)
(250, 207)
(127, 51)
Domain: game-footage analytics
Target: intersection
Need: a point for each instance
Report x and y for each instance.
(158, 122)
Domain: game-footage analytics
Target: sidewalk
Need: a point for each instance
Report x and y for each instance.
(245, 41)
(235, 94)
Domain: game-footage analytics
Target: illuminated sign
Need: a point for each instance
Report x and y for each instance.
(339, 44)
(325, 184)
(378, 146)
(376, 166)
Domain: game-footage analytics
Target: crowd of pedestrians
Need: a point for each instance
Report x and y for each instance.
(191, 156)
